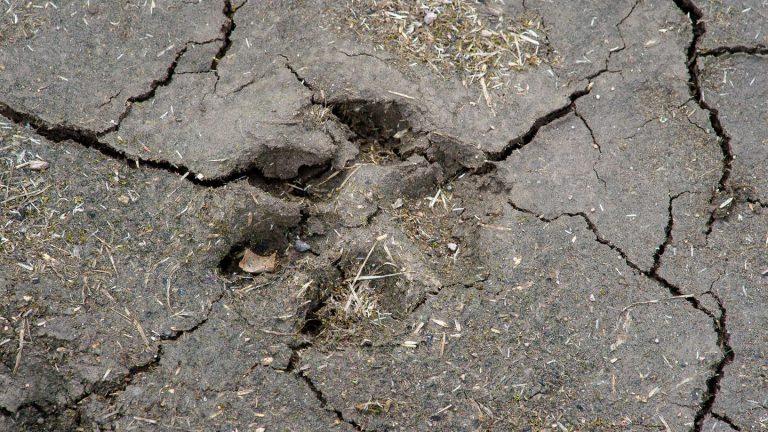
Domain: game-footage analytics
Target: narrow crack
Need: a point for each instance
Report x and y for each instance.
(324, 402)
(435, 293)
(719, 323)
(164, 81)
(727, 420)
(595, 144)
(699, 29)
(226, 29)
(296, 74)
(667, 234)
(589, 128)
(713, 382)
(176, 334)
(525, 139)
(735, 49)
(111, 390)
(545, 120)
(621, 34)
(650, 273)
(89, 139)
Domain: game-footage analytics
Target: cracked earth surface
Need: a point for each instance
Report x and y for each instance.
(582, 248)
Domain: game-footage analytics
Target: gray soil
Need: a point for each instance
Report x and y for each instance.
(582, 248)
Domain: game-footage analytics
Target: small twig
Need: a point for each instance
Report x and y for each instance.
(21, 345)
(272, 332)
(374, 277)
(341, 186)
(141, 332)
(656, 301)
(401, 94)
(25, 195)
(352, 292)
(443, 409)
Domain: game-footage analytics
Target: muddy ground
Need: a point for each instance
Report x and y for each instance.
(570, 238)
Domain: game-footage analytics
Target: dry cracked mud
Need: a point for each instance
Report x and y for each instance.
(569, 233)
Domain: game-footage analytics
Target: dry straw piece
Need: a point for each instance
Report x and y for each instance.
(456, 36)
(253, 263)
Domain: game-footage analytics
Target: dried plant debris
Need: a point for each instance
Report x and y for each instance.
(21, 19)
(470, 38)
(253, 263)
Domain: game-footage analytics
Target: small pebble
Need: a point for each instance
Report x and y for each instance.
(453, 247)
(301, 246)
(38, 165)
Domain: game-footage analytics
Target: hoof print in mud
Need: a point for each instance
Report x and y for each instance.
(383, 215)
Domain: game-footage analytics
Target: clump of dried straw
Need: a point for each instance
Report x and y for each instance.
(457, 36)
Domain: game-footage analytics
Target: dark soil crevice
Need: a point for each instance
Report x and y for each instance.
(649, 273)
(434, 293)
(725, 419)
(698, 27)
(164, 81)
(589, 128)
(667, 233)
(296, 74)
(373, 121)
(176, 334)
(23, 418)
(89, 139)
(713, 382)
(295, 359)
(718, 322)
(111, 391)
(313, 325)
(318, 310)
(621, 34)
(138, 369)
(525, 139)
(735, 49)
(324, 402)
(226, 30)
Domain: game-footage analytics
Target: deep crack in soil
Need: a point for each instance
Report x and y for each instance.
(300, 375)
(725, 419)
(735, 49)
(525, 139)
(718, 322)
(227, 28)
(372, 120)
(109, 390)
(698, 27)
